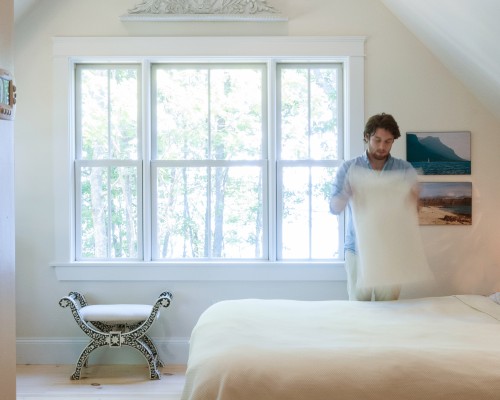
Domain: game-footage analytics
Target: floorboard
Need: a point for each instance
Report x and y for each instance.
(107, 382)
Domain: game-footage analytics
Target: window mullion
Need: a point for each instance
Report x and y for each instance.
(110, 214)
(309, 191)
(147, 152)
(273, 221)
(78, 210)
(208, 215)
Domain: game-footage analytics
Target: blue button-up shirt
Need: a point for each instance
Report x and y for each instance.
(392, 164)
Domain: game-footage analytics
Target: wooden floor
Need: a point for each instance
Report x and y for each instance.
(107, 382)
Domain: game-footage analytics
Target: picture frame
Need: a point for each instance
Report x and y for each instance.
(445, 203)
(439, 153)
(7, 95)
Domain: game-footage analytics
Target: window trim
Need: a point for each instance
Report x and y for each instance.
(67, 51)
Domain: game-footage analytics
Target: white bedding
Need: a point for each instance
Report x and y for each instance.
(389, 243)
(424, 349)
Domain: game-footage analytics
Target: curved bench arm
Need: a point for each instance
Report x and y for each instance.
(163, 300)
(74, 297)
(76, 301)
(79, 297)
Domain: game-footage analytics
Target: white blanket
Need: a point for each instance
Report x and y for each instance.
(426, 349)
(388, 236)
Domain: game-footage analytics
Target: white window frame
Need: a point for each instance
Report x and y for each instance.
(67, 51)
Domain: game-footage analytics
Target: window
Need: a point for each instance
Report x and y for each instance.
(202, 159)
(210, 181)
(209, 161)
(310, 146)
(108, 164)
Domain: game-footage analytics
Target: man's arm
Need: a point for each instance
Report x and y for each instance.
(338, 203)
(341, 191)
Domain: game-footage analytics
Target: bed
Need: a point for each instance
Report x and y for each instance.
(421, 349)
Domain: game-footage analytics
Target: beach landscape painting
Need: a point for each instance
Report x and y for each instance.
(439, 153)
(445, 203)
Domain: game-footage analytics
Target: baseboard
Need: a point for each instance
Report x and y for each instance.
(67, 350)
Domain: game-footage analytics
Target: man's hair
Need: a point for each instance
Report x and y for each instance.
(383, 120)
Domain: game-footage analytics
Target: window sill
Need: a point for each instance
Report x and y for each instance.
(206, 271)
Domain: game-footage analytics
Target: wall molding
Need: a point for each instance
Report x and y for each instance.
(203, 10)
(64, 350)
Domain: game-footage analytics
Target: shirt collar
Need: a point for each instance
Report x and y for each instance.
(367, 161)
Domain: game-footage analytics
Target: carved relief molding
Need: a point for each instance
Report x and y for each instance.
(204, 10)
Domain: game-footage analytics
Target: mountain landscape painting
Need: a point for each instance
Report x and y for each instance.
(439, 153)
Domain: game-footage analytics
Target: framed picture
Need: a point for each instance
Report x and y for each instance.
(439, 153)
(445, 203)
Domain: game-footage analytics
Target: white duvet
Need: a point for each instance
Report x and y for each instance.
(424, 349)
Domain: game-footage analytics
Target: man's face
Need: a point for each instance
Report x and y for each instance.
(380, 144)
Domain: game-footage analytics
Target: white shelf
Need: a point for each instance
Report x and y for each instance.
(203, 18)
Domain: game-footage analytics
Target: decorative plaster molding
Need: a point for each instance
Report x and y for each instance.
(204, 10)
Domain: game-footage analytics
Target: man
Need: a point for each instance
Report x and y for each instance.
(380, 132)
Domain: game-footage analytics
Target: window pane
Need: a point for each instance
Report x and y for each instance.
(309, 113)
(308, 228)
(209, 113)
(181, 212)
(237, 212)
(209, 212)
(324, 225)
(236, 114)
(94, 212)
(109, 213)
(181, 114)
(294, 114)
(324, 114)
(109, 110)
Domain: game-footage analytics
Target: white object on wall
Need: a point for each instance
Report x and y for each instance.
(204, 10)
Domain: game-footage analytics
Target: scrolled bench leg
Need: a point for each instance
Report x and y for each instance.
(149, 343)
(83, 359)
(154, 374)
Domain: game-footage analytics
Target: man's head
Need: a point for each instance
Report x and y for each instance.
(380, 132)
(382, 120)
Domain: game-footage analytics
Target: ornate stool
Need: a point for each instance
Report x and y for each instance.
(117, 325)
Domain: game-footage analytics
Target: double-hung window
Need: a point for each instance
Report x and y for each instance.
(108, 165)
(209, 161)
(209, 158)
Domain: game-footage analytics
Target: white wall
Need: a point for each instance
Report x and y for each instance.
(7, 219)
(401, 77)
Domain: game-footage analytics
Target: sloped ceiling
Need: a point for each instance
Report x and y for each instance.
(464, 35)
